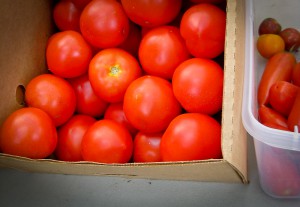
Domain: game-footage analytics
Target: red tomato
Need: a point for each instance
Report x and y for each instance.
(146, 147)
(52, 94)
(149, 104)
(208, 1)
(70, 137)
(132, 42)
(81, 4)
(28, 132)
(198, 85)
(151, 13)
(87, 102)
(282, 95)
(191, 136)
(115, 112)
(68, 55)
(278, 68)
(107, 141)
(66, 16)
(203, 28)
(110, 73)
(270, 116)
(296, 74)
(294, 116)
(104, 24)
(161, 50)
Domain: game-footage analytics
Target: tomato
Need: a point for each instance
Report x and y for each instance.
(276, 126)
(146, 147)
(203, 28)
(104, 24)
(161, 50)
(269, 44)
(107, 141)
(198, 85)
(81, 4)
(149, 104)
(191, 136)
(115, 112)
(208, 1)
(68, 54)
(110, 73)
(282, 96)
(70, 136)
(270, 116)
(66, 16)
(132, 42)
(87, 102)
(151, 13)
(28, 132)
(294, 116)
(278, 68)
(52, 94)
(296, 75)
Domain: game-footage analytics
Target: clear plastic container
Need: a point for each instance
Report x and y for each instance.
(277, 152)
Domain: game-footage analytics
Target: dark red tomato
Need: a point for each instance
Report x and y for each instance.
(294, 116)
(68, 54)
(270, 116)
(198, 85)
(70, 137)
(28, 132)
(146, 147)
(282, 95)
(296, 75)
(203, 28)
(152, 13)
(107, 141)
(115, 112)
(208, 1)
(132, 42)
(104, 24)
(161, 50)
(66, 16)
(52, 94)
(80, 4)
(150, 105)
(87, 102)
(110, 73)
(191, 136)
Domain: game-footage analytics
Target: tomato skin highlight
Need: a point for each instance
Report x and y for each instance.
(294, 116)
(28, 132)
(191, 136)
(279, 68)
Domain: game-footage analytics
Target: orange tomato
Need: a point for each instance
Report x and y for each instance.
(269, 44)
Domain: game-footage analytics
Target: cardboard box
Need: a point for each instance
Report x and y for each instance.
(26, 25)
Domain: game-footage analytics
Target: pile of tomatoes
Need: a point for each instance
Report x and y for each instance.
(128, 81)
(278, 90)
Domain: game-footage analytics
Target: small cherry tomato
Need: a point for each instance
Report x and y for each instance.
(269, 44)
(28, 132)
(107, 141)
(191, 136)
(146, 147)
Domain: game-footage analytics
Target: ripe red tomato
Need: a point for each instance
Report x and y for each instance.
(296, 74)
(104, 24)
(198, 85)
(191, 136)
(294, 116)
(107, 141)
(70, 137)
(87, 102)
(161, 50)
(282, 95)
(28, 132)
(203, 28)
(66, 16)
(149, 104)
(68, 54)
(110, 73)
(115, 112)
(80, 4)
(146, 147)
(271, 117)
(52, 94)
(151, 13)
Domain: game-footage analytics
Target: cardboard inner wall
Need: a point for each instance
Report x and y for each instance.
(27, 26)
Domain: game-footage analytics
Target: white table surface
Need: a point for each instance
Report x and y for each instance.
(32, 189)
